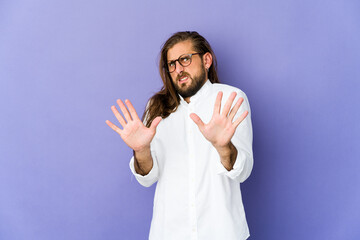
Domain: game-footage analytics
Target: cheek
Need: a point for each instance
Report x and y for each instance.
(189, 71)
(173, 78)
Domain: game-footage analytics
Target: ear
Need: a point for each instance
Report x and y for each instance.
(207, 59)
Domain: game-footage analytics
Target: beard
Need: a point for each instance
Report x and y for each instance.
(196, 83)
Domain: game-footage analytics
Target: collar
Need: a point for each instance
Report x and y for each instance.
(202, 91)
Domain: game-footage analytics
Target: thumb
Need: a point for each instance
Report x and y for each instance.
(155, 122)
(197, 120)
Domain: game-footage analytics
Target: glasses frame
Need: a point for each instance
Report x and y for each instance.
(178, 60)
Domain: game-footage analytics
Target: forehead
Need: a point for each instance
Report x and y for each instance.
(179, 49)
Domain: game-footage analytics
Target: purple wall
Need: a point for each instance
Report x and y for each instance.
(64, 173)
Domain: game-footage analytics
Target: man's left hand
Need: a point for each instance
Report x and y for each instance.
(221, 127)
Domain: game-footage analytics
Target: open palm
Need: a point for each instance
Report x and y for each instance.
(221, 127)
(134, 133)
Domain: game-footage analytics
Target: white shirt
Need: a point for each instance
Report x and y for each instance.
(196, 197)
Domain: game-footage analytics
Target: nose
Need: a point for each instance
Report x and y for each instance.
(178, 68)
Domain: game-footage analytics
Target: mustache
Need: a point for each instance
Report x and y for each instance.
(182, 75)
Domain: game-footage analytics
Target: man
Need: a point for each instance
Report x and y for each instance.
(195, 146)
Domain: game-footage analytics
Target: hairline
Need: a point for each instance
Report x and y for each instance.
(186, 40)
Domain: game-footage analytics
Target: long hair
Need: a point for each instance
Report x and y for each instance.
(166, 101)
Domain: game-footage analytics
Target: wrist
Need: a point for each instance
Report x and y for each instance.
(227, 155)
(142, 150)
(142, 155)
(224, 151)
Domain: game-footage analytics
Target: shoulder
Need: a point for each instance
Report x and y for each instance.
(227, 89)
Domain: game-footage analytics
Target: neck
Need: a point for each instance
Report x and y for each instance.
(187, 99)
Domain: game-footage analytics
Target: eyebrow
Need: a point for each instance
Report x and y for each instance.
(169, 61)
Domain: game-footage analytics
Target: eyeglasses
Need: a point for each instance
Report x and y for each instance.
(184, 60)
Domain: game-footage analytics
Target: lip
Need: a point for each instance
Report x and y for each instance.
(184, 80)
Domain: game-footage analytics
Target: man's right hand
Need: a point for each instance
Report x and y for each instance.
(134, 133)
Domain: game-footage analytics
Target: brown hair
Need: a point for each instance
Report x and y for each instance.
(166, 101)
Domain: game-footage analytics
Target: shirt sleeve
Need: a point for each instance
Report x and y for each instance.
(242, 140)
(149, 178)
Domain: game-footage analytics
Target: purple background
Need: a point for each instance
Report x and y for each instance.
(64, 173)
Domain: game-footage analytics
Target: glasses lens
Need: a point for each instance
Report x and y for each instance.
(185, 60)
(171, 66)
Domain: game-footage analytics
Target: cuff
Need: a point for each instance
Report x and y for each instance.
(149, 178)
(237, 168)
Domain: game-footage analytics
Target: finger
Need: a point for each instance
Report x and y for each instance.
(217, 104)
(155, 123)
(197, 120)
(235, 108)
(118, 116)
(240, 119)
(228, 104)
(113, 126)
(124, 110)
(132, 110)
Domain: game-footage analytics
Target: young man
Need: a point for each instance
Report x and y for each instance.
(197, 147)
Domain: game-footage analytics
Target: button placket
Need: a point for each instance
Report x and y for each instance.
(192, 170)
